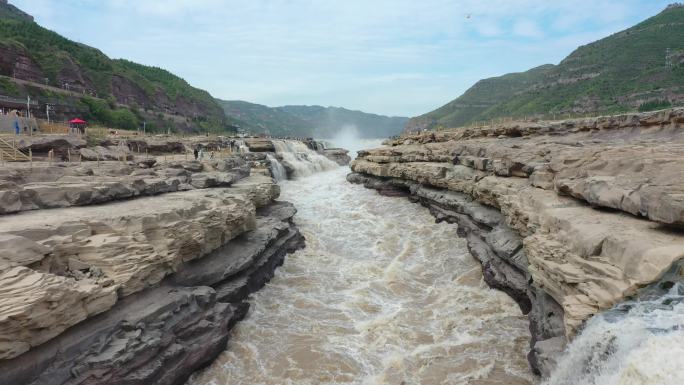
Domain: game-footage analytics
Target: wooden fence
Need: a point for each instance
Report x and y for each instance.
(52, 128)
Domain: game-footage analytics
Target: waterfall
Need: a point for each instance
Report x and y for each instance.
(277, 169)
(241, 146)
(299, 161)
(638, 342)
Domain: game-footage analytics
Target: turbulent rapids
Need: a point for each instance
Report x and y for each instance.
(380, 295)
(384, 295)
(639, 342)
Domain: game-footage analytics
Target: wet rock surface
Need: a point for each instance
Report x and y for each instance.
(569, 218)
(337, 155)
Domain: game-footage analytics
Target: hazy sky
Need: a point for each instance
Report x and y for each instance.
(394, 57)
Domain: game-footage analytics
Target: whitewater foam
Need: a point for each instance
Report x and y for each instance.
(301, 160)
(640, 342)
(381, 295)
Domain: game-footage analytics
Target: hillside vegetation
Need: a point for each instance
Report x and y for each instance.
(310, 121)
(630, 70)
(33, 53)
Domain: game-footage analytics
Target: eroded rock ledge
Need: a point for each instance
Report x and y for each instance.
(569, 218)
(63, 185)
(142, 290)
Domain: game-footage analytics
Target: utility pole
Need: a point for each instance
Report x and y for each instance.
(28, 106)
(48, 107)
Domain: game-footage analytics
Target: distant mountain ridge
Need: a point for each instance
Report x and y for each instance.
(309, 121)
(637, 69)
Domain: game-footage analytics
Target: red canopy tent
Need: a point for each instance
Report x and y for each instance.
(77, 126)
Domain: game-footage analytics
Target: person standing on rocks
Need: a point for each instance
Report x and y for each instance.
(195, 152)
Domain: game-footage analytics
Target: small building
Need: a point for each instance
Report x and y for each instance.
(77, 126)
(18, 106)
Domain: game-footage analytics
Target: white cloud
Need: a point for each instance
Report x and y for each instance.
(527, 28)
(488, 28)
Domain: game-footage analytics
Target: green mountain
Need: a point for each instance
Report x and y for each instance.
(640, 68)
(8, 11)
(81, 79)
(310, 121)
(257, 118)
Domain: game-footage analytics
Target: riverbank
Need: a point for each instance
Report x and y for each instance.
(134, 270)
(569, 218)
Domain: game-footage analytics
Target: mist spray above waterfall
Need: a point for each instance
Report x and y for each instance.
(349, 138)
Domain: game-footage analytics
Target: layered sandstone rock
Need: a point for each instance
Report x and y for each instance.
(59, 144)
(121, 248)
(98, 153)
(111, 148)
(117, 282)
(260, 145)
(156, 146)
(164, 333)
(596, 208)
(337, 155)
(66, 185)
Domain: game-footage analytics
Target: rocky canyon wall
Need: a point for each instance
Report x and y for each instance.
(131, 272)
(568, 217)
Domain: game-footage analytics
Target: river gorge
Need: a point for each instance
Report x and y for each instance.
(293, 193)
(381, 295)
(546, 253)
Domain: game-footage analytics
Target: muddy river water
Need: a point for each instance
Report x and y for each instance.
(380, 295)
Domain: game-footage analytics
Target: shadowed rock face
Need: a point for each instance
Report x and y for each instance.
(162, 334)
(260, 145)
(337, 155)
(60, 144)
(17, 61)
(588, 210)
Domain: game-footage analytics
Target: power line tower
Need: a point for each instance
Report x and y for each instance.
(668, 58)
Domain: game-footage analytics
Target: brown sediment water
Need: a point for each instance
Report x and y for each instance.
(381, 295)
